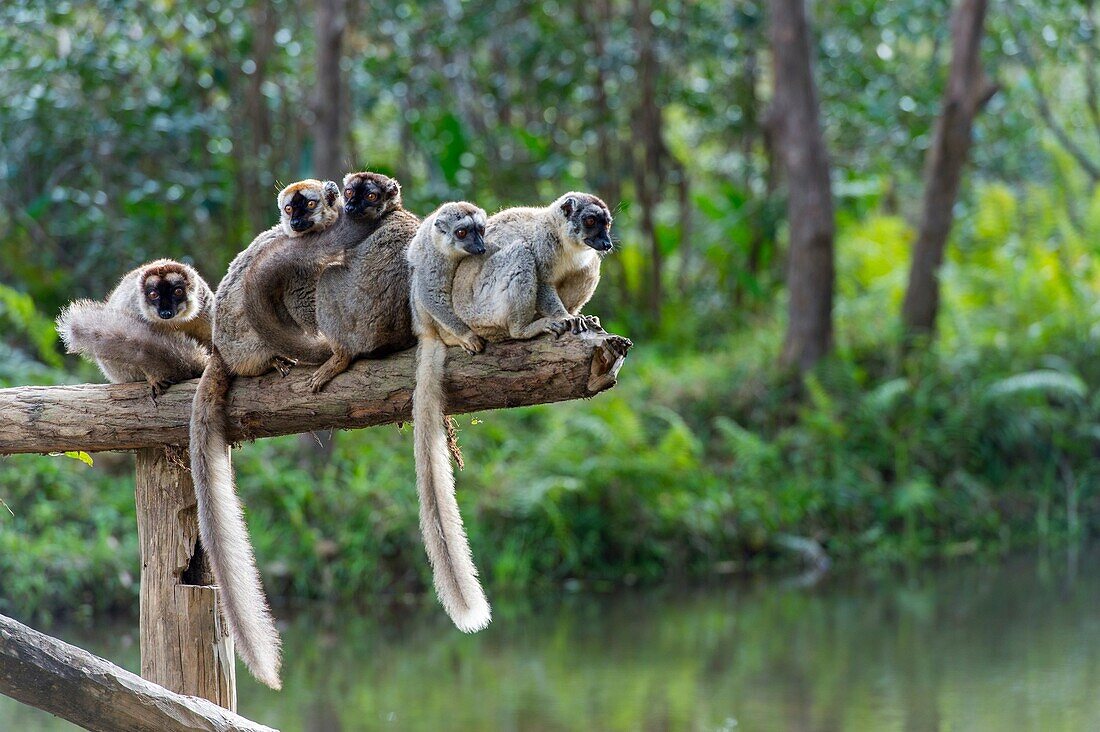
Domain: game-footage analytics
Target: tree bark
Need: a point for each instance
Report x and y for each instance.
(96, 694)
(122, 417)
(968, 90)
(794, 114)
(329, 103)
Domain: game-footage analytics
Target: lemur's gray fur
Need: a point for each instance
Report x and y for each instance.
(541, 268)
(153, 327)
(455, 231)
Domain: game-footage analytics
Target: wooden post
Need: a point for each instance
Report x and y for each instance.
(184, 645)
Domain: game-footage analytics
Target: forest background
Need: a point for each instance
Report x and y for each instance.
(796, 389)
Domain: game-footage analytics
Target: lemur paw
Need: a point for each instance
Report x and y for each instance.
(316, 383)
(156, 388)
(594, 323)
(473, 344)
(283, 364)
(572, 324)
(619, 345)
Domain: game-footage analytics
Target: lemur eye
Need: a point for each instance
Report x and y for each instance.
(348, 193)
(153, 295)
(372, 196)
(589, 221)
(460, 233)
(288, 208)
(312, 204)
(178, 292)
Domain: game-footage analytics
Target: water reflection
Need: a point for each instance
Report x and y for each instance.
(1011, 647)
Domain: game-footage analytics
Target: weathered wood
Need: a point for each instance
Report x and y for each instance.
(96, 694)
(184, 646)
(94, 417)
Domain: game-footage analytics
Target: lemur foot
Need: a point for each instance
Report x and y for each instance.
(156, 388)
(283, 365)
(317, 382)
(473, 344)
(575, 324)
(594, 323)
(619, 345)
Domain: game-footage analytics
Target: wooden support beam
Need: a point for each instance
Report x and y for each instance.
(96, 694)
(185, 647)
(93, 417)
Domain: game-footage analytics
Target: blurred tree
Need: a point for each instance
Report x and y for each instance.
(330, 95)
(794, 114)
(968, 90)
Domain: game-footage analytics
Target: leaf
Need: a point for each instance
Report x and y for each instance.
(1042, 381)
(75, 455)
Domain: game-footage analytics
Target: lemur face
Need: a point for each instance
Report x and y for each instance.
(370, 195)
(463, 226)
(165, 293)
(309, 205)
(588, 220)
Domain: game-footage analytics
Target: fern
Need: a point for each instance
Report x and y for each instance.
(1043, 381)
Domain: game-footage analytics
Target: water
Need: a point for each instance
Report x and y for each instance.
(1009, 647)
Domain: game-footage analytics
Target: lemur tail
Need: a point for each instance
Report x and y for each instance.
(453, 569)
(223, 530)
(96, 330)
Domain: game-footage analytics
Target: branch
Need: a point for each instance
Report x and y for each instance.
(96, 694)
(95, 417)
(1092, 170)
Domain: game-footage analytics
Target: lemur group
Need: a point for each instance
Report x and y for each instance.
(347, 273)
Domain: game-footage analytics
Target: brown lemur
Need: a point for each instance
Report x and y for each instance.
(454, 232)
(541, 268)
(285, 260)
(363, 304)
(153, 327)
(282, 280)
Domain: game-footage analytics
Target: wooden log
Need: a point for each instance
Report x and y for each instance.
(184, 645)
(122, 416)
(96, 694)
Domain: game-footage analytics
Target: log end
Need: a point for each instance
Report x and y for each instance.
(607, 358)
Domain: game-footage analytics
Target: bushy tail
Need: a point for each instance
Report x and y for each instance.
(223, 530)
(96, 330)
(453, 568)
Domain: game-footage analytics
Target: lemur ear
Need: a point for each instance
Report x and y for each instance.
(332, 192)
(392, 188)
(567, 206)
(440, 225)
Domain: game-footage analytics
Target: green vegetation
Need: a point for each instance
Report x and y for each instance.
(702, 460)
(144, 129)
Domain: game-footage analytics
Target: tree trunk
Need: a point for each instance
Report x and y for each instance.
(329, 102)
(650, 155)
(809, 200)
(968, 90)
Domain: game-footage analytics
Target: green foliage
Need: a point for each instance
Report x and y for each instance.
(138, 130)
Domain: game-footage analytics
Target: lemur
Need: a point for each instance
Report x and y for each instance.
(287, 260)
(363, 305)
(542, 266)
(444, 238)
(281, 281)
(153, 327)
